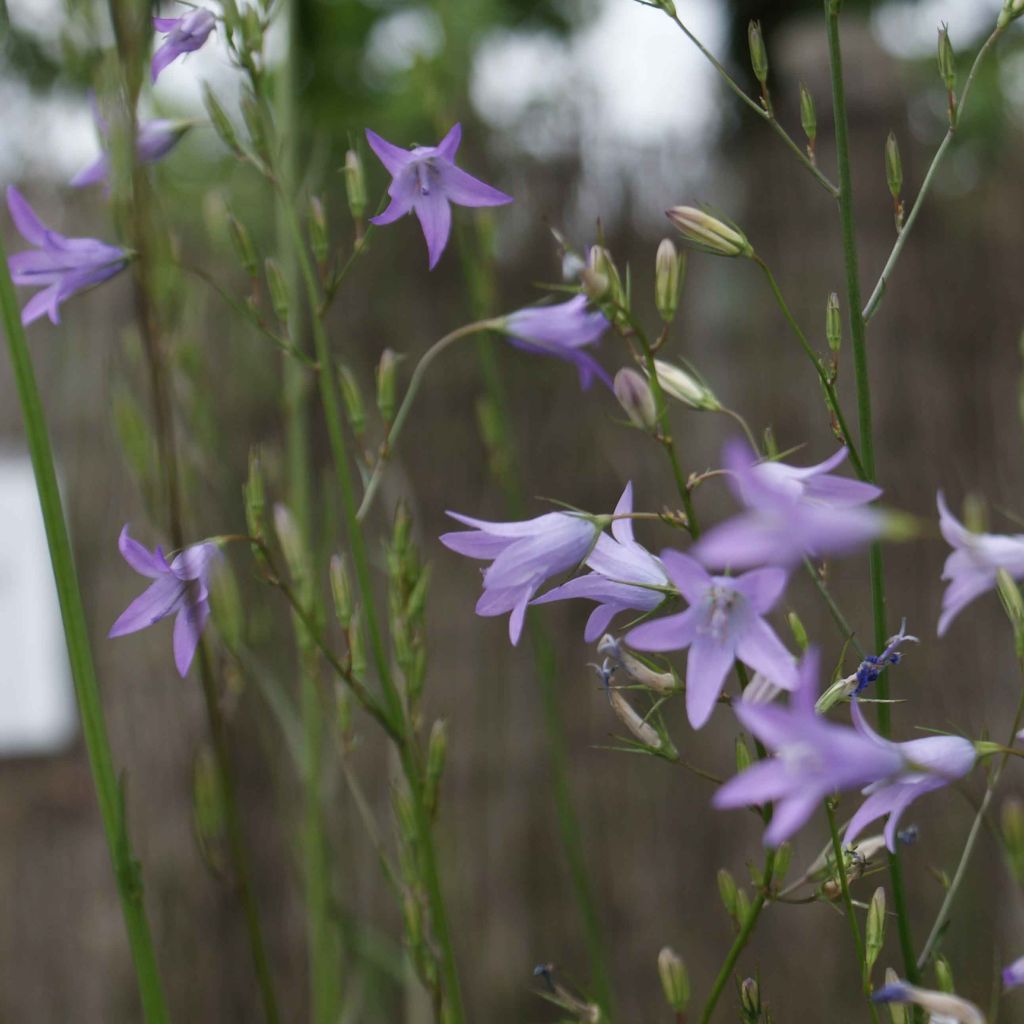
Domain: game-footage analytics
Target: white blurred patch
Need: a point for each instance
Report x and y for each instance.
(37, 707)
(909, 28)
(398, 41)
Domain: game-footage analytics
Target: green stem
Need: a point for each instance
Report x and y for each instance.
(879, 290)
(867, 445)
(127, 873)
(844, 885)
(415, 382)
(740, 942)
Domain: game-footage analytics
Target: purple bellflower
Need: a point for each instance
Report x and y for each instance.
(625, 575)
(60, 266)
(1013, 975)
(155, 140)
(792, 512)
(425, 181)
(524, 555)
(563, 330)
(929, 763)
(942, 1007)
(813, 758)
(180, 588)
(973, 565)
(184, 35)
(724, 623)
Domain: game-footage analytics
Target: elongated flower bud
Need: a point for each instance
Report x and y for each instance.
(743, 759)
(675, 979)
(292, 544)
(437, 754)
(318, 239)
(630, 718)
(341, 591)
(601, 278)
(355, 184)
(944, 975)
(893, 166)
(833, 323)
(758, 53)
(684, 387)
(727, 891)
(386, 372)
(255, 501)
(221, 122)
(634, 395)
(660, 682)
(709, 233)
(1012, 9)
(947, 59)
(277, 288)
(750, 999)
(669, 270)
(243, 246)
(352, 396)
(874, 932)
(808, 115)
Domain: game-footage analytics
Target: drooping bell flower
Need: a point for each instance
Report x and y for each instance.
(184, 35)
(155, 140)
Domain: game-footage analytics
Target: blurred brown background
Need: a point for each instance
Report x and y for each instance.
(946, 374)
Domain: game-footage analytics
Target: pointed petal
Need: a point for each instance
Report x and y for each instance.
(841, 491)
(464, 189)
(518, 616)
(42, 303)
(599, 621)
(690, 578)
(790, 815)
(706, 668)
(435, 217)
(396, 209)
(29, 226)
(672, 633)
(622, 529)
(157, 601)
(880, 802)
(93, 174)
(163, 57)
(449, 145)
(762, 588)
(140, 558)
(188, 628)
(393, 157)
(759, 647)
(761, 782)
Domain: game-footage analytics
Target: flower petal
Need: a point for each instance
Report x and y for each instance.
(464, 189)
(160, 599)
(706, 667)
(435, 217)
(449, 145)
(759, 647)
(671, 633)
(29, 226)
(393, 157)
(140, 558)
(188, 628)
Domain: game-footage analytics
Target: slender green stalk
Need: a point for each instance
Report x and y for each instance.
(740, 942)
(879, 290)
(415, 382)
(851, 916)
(127, 872)
(867, 444)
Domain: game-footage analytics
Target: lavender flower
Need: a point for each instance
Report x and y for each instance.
(180, 588)
(424, 181)
(974, 563)
(619, 564)
(1013, 975)
(61, 266)
(562, 331)
(792, 512)
(723, 623)
(524, 555)
(813, 758)
(941, 1006)
(155, 140)
(929, 764)
(184, 35)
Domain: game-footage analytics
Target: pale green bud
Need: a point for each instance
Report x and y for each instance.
(386, 373)
(675, 979)
(743, 759)
(944, 975)
(341, 591)
(709, 233)
(833, 323)
(289, 536)
(796, 627)
(947, 59)
(1013, 605)
(634, 395)
(352, 396)
(437, 753)
(669, 271)
(255, 501)
(750, 998)
(874, 931)
(318, 239)
(727, 891)
(255, 124)
(355, 184)
(893, 166)
(1012, 9)
(277, 288)
(808, 115)
(601, 278)
(758, 52)
(783, 856)
(1012, 821)
(677, 383)
(242, 244)
(221, 122)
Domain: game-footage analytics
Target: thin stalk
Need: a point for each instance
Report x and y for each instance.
(867, 444)
(410, 766)
(972, 837)
(879, 290)
(127, 872)
(740, 942)
(418, 375)
(765, 114)
(844, 885)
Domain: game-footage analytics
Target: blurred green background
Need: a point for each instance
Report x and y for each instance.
(584, 112)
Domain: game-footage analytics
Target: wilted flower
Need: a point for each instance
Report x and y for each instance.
(155, 140)
(942, 1006)
(60, 266)
(180, 588)
(813, 758)
(563, 331)
(792, 512)
(929, 763)
(424, 181)
(1013, 975)
(184, 35)
(619, 564)
(524, 555)
(974, 564)
(724, 623)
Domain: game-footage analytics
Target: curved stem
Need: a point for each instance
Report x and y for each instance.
(744, 426)
(879, 290)
(415, 382)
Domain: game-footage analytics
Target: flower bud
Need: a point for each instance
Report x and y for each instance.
(318, 239)
(833, 323)
(743, 759)
(437, 753)
(386, 371)
(783, 856)
(893, 166)
(277, 288)
(255, 501)
(750, 999)
(355, 410)
(293, 546)
(252, 30)
(808, 116)
(1013, 605)
(944, 975)
(947, 59)
(684, 387)
(255, 125)
(669, 271)
(355, 184)
(675, 980)
(601, 278)
(634, 395)
(758, 53)
(242, 244)
(796, 627)
(874, 930)
(708, 233)
(341, 591)
(727, 891)
(1012, 9)
(1012, 820)
(221, 122)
